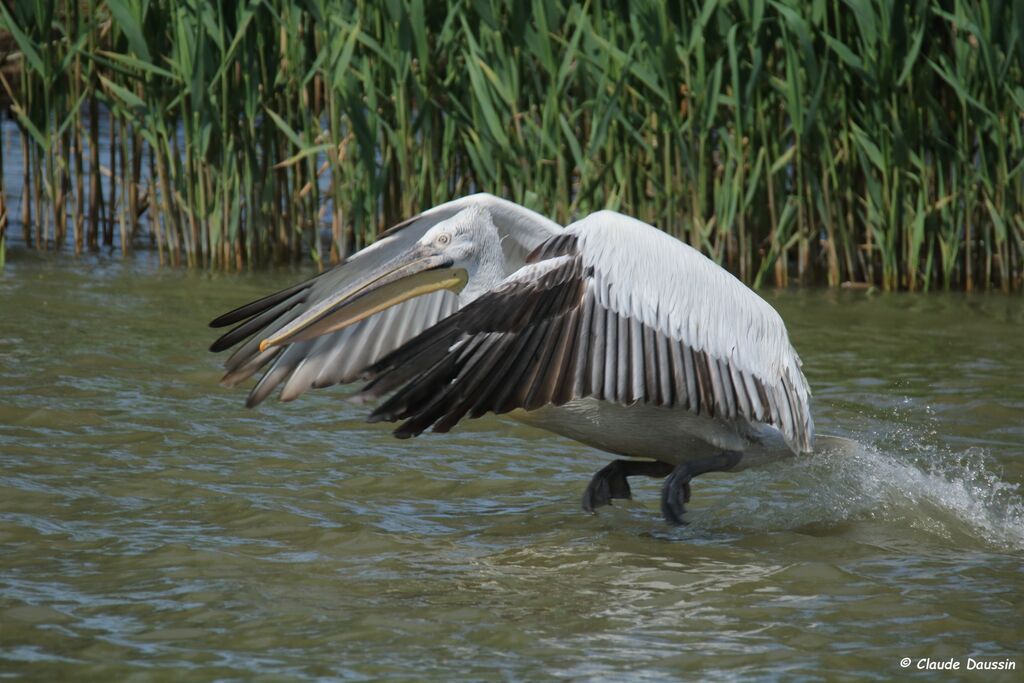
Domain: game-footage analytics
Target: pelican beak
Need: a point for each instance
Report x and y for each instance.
(419, 271)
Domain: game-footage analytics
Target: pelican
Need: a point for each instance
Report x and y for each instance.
(607, 331)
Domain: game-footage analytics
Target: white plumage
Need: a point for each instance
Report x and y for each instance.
(647, 275)
(607, 331)
(340, 356)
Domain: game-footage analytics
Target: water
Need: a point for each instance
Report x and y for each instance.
(152, 528)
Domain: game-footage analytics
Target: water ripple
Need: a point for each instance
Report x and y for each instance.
(153, 527)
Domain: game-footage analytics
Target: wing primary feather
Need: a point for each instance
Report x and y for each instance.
(278, 371)
(544, 374)
(250, 326)
(406, 363)
(419, 353)
(743, 405)
(508, 373)
(565, 384)
(559, 245)
(474, 384)
(770, 400)
(750, 386)
(770, 411)
(332, 358)
(414, 393)
(508, 398)
(623, 360)
(611, 355)
(332, 367)
(422, 350)
(665, 371)
(472, 354)
(254, 307)
(684, 395)
(537, 302)
(652, 393)
(579, 363)
(799, 431)
(527, 397)
(785, 416)
(422, 416)
(693, 387)
(717, 386)
(246, 351)
(728, 393)
(549, 364)
(379, 333)
(499, 397)
(637, 389)
(524, 381)
(302, 376)
(474, 365)
(707, 397)
(249, 368)
(502, 377)
(598, 345)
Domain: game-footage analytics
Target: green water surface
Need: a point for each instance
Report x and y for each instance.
(152, 528)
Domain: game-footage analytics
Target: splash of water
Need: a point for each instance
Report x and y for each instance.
(946, 492)
(956, 495)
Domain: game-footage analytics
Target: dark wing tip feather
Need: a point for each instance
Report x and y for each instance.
(550, 342)
(231, 317)
(252, 308)
(218, 345)
(224, 342)
(300, 367)
(501, 331)
(559, 245)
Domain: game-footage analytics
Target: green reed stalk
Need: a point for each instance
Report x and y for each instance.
(835, 142)
(3, 206)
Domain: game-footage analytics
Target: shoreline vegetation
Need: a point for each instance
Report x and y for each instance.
(832, 142)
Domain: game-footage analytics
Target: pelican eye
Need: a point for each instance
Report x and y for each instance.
(443, 239)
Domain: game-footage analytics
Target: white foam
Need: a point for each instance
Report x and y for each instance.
(908, 480)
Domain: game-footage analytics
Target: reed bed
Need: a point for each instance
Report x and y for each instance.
(827, 142)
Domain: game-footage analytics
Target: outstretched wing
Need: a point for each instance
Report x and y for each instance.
(340, 357)
(612, 309)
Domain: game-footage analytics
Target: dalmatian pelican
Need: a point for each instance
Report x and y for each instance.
(607, 331)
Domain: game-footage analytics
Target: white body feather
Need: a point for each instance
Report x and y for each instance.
(655, 293)
(645, 431)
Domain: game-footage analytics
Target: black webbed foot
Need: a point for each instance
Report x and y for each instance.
(610, 481)
(675, 493)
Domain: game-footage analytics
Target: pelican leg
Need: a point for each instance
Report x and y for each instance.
(676, 490)
(610, 481)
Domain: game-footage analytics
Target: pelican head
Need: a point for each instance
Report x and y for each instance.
(461, 254)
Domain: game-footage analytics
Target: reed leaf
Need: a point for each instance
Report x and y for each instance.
(835, 141)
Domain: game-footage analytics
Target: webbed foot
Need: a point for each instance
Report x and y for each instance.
(675, 493)
(610, 481)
